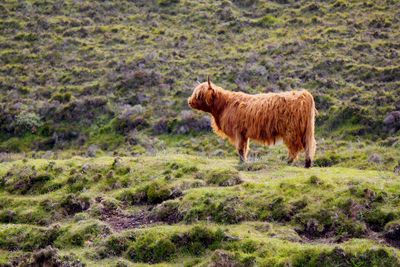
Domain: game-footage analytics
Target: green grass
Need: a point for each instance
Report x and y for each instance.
(278, 214)
(73, 70)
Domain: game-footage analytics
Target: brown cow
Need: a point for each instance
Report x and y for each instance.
(264, 118)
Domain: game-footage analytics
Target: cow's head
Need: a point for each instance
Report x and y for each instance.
(202, 97)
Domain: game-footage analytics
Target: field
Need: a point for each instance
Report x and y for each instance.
(175, 208)
(102, 162)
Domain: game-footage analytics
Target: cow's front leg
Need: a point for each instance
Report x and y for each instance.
(242, 148)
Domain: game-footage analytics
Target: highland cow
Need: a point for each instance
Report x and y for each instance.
(264, 118)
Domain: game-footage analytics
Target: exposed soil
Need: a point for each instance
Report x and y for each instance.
(393, 243)
(330, 238)
(119, 220)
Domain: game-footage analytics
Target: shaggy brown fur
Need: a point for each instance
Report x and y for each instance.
(264, 118)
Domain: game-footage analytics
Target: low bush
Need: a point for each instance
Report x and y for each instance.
(153, 193)
(27, 122)
(24, 237)
(377, 218)
(223, 177)
(26, 180)
(76, 235)
(198, 239)
(151, 248)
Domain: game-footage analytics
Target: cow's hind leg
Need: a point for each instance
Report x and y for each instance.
(310, 152)
(293, 151)
(242, 147)
(292, 155)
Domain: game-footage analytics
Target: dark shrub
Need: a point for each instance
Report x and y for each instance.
(127, 124)
(7, 216)
(190, 123)
(137, 78)
(392, 231)
(376, 218)
(245, 3)
(84, 109)
(161, 126)
(165, 3)
(62, 97)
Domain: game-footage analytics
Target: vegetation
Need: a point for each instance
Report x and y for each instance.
(278, 214)
(78, 74)
(102, 163)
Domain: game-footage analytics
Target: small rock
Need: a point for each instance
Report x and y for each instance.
(92, 150)
(392, 121)
(183, 129)
(85, 167)
(375, 158)
(397, 169)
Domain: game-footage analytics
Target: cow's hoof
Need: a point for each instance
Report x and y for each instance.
(307, 164)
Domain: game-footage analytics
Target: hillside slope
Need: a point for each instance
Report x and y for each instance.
(83, 72)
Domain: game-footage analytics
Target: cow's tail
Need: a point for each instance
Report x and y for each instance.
(309, 138)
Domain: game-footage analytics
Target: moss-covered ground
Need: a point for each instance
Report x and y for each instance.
(179, 209)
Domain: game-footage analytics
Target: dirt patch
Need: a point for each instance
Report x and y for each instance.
(48, 256)
(331, 238)
(393, 243)
(167, 212)
(392, 234)
(119, 220)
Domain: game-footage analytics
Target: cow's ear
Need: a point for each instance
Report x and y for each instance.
(209, 84)
(210, 93)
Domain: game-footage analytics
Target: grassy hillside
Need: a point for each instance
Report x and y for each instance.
(102, 163)
(78, 73)
(180, 209)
